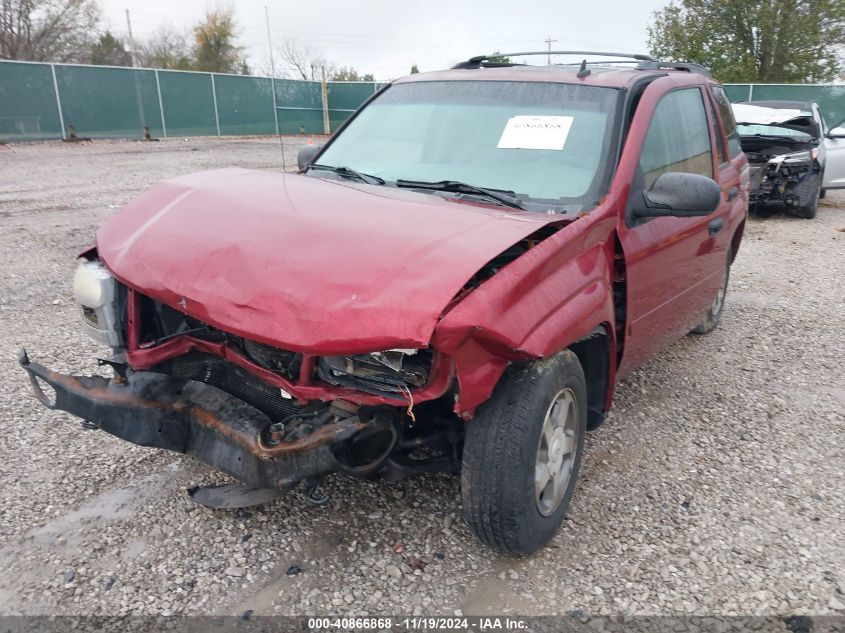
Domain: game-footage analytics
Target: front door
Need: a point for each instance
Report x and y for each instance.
(674, 265)
(834, 160)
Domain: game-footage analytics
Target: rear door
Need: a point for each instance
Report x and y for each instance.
(733, 171)
(674, 265)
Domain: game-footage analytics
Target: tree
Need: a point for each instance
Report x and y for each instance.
(215, 49)
(350, 74)
(48, 30)
(303, 61)
(414, 69)
(167, 49)
(753, 40)
(499, 59)
(109, 51)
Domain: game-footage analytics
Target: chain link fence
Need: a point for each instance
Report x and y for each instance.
(45, 101)
(49, 101)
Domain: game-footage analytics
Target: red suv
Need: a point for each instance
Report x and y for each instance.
(454, 282)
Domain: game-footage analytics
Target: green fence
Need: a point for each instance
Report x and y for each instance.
(42, 101)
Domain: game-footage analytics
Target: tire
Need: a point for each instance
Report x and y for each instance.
(822, 194)
(505, 449)
(808, 212)
(714, 313)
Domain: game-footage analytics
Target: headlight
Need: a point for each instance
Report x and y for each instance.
(797, 158)
(95, 292)
(392, 371)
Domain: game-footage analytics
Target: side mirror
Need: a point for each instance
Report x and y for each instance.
(307, 154)
(678, 194)
(836, 132)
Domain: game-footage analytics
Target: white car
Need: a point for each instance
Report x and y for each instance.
(793, 157)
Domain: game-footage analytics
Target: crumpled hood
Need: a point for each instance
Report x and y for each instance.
(789, 118)
(745, 113)
(304, 263)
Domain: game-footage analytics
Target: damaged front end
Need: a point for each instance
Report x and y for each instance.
(259, 437)
(274, 378)
(791, 179)
(161, 411)
(268, 417)
(782, 144)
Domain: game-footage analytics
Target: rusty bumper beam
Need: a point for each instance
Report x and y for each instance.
(160, 411)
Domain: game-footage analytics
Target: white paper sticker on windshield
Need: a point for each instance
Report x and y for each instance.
(535, 132)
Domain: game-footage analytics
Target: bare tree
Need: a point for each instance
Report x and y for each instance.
(303, 61)
(48, 30)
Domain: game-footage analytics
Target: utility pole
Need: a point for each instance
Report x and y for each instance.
(273, 85)
(135, 75)
(132, 51)
(324, 89)
(548, 41)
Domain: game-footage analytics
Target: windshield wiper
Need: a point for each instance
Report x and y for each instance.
(348, 172)
(507, 198)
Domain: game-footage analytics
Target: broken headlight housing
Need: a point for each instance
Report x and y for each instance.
(394, 371)
(799, 158)
(95, 293)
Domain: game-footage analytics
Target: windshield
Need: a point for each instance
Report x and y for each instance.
(771, 130)
(548, 143)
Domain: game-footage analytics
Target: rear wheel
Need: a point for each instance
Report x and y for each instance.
(522, 454)
(714, 314)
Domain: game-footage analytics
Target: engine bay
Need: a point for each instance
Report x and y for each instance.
(783, 171)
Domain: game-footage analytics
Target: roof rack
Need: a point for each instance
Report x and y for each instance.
(689, 67)
(484, 60)
(646, 62)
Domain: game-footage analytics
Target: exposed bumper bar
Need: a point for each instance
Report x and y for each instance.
(160, 411)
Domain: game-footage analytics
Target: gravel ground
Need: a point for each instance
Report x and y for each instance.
(717, 485)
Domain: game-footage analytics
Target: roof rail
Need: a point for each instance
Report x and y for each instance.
(646, 62)
(689, 67)
(484, 60)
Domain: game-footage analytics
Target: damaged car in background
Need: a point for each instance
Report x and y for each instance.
(454, 283)
(787, 147)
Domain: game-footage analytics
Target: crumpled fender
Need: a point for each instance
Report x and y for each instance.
(552, 296)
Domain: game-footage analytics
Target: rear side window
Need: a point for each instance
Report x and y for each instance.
(678, 137)
(727, 120)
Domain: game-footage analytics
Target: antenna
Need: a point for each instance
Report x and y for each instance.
(273, 87)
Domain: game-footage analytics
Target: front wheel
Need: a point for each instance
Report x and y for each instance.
(809, 210)
(522, 454)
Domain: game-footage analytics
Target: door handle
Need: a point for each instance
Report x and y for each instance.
(733, 192)
(715, 226)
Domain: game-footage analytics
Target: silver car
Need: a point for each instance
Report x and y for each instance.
(794, 157)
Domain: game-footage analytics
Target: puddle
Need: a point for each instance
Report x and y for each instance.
(262, 600)
(110, 505)
(491, 594)
(133, 549)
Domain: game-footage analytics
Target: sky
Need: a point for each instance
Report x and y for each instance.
(386, 37)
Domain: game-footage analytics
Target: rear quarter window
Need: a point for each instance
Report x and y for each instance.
(728, 121)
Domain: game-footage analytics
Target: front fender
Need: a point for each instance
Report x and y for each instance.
(552, 296)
